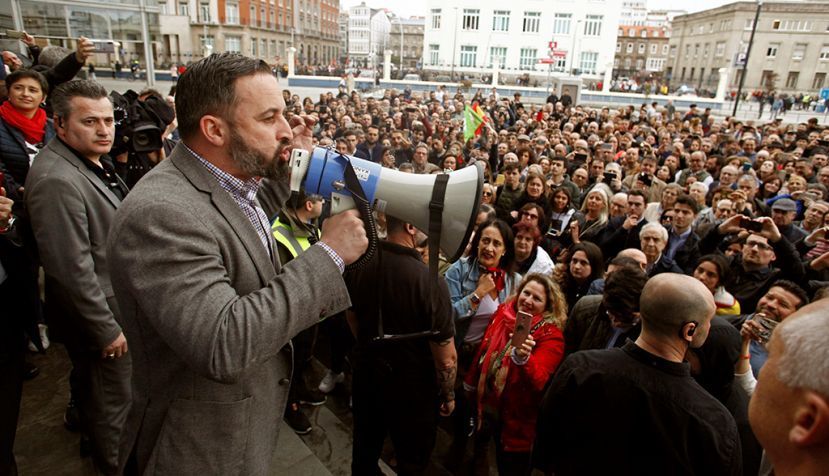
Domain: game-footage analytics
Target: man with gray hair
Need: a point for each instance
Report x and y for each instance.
(639, 403)
(653, 239)
(789, 411)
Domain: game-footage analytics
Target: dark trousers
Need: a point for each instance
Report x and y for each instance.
(403, 405)
(303, 352)
(341, 340)
(12, 353)
(102, 392)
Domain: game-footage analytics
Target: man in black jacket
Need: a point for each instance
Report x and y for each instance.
(751, 274)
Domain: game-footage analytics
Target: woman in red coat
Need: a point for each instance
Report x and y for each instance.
(506, 381)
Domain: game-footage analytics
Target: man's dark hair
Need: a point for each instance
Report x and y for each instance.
(686, 200)
(510, 167)
(792, 288)
(394, 225)
(209, 87)
(82, 88)
(622, 289)
(27, 73)
(638, 193)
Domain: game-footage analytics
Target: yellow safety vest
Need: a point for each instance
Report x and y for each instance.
(284, 235)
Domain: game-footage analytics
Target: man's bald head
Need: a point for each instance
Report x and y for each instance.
(636, 255)
(671, 300)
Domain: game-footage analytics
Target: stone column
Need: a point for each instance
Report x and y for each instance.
(386, 65)
(291, 56)
(608, 77)
(722, 85)
(495, 72)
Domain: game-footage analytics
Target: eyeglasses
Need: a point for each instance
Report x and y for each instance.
(758, 244)
(529, 215)
(487, 194)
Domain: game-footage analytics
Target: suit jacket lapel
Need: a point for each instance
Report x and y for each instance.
(70, 157)
(203, 180)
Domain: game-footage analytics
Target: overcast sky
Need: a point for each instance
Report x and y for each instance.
(407, 8)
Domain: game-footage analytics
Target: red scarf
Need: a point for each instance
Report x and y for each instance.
(33, 129)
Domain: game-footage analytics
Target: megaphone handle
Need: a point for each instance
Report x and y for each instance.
(352, 184)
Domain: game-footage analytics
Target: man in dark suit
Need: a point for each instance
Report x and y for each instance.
(72, 193)
(207, 307)
(683, 243)
(371, 149)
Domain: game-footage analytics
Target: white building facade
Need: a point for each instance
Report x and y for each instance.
(368, 32)
(466, 37)
(634, 13)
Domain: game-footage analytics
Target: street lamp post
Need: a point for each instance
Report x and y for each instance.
(454, 45)
(400, 24)
(748, 53)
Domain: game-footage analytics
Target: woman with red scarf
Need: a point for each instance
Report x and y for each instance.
(24, 128)
(506, 381)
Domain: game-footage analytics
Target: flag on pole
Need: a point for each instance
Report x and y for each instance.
(473, 121)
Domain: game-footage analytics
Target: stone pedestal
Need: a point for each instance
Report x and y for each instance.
(386, 65)
(608, 77)
(291, 59)
(495, 72)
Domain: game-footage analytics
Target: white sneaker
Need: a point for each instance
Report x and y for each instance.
(330, 381)
(44, 338)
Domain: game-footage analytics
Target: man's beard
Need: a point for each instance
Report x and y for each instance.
(255, 163)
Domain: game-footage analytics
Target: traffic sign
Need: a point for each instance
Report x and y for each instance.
(547, 60)
(558, 53)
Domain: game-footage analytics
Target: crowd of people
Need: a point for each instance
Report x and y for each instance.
(630, 273)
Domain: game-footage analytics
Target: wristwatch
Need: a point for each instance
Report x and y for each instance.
(8, 226)
(475, 299)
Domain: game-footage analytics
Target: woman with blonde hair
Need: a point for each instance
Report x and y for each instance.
(596, 209)
(507, 381)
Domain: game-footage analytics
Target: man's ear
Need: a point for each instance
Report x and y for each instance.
(215, 130)
(411, 229)
(811, 422)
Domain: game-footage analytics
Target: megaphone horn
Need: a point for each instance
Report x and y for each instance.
(402, 195)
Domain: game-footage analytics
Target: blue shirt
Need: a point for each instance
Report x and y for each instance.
(675, 241)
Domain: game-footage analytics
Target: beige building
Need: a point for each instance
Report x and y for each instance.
(790, 51)
(411, 38)
(264, 29)
(641, 52)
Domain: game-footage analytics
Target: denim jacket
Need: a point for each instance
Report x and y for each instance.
(462, 279)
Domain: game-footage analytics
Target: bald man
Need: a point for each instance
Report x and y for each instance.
(636, 409)
(789, 410)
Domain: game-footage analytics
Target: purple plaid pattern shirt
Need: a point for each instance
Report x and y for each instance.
(244, 193)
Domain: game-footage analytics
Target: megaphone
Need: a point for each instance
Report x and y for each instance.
(404, 196)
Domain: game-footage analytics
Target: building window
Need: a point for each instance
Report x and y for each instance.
(436, 19)
(771, 51)
(204, 12)
(532, 22)
(593, 25)
(498, 56)
(791, 81)
(696, 50)
(233, 44)
(183, 9)
(232, 13)
(644, 33)
(162, 7)
(706, 49)
(589, 59)
(639, 64)
(629, 48)
(206, 41)
(720, 50)
(252, 20)
(654, 48)
(820, 78)
(799, 51)
(641, 48)
(500, 20)
(470, 18)
(749, 24)
(616, 62)
(561, 23)
(775, 25)
(434, 54)
(687, 51)
(824, 53)
(618, 47)
(655, 64)
(528, 58)
(469, 56)
(627, 63)
(254, 51)
(560, 64)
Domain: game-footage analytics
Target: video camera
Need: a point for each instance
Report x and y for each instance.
(139, 130)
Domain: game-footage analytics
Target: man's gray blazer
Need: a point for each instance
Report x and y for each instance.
(209, 317)
(71, 210)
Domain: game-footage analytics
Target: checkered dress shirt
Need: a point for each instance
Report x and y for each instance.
(244, 193)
